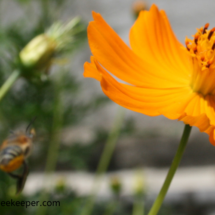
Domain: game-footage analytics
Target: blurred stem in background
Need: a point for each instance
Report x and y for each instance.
(116, 188)
(138, 206)
(54, 141)
(45, 12)
(9, 83)
(112, 206)
(159, 200)
(105, 158)
(1, 12)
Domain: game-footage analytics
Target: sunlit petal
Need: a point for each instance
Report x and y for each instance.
(157, 75)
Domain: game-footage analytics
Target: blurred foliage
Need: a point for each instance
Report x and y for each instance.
(28, 99)
(86, 156)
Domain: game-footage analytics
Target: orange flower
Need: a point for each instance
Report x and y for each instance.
(162, 76)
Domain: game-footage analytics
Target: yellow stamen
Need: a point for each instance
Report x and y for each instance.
(202, 51)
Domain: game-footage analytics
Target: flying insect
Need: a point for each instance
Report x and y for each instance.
(13, 153)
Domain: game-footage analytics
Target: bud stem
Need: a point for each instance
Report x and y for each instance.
(105, 159)
(9, 83)
(159, 200)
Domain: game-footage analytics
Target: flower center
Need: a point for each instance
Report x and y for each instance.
(202, 51)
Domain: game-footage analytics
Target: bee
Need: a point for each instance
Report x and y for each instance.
(13, 154)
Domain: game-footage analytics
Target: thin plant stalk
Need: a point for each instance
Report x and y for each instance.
(105, 159)
(138, 207)
(55, 139)
(45, 11)
(159, 200)
(53, 144)
(111, 207)
(111, 142)
(1, 12)
(9, 83)
(139, 192)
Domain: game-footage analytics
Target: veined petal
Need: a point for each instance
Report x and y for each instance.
(179, 53)
(200, 105)
(194, 106)
(202, 122)
(209, 106)
(169, 102)
(122, 62)
(152, 38)
(162, 77)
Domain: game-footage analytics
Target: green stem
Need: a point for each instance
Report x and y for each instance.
(138, 207)
(105, 159)
(111, 142)
(9, 83)
(45, 12)
(111, 207)
(139, 190)
(56, 128)
(54, 142)
(159, 200)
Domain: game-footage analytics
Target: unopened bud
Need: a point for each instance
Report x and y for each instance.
(116, 185)
(38, 53)
(60, 186)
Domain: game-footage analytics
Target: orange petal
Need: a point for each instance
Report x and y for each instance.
(90, 70)
(157, 68)
(194, 107)
(169, 102)
(209, 108)
(151, 37)
(122, 62)
(203, 123)
(212, 136)
(200, 113)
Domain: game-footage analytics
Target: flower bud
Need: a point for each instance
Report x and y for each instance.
(60, 186)
(115, 185)
(38, 53)
(41, 51)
